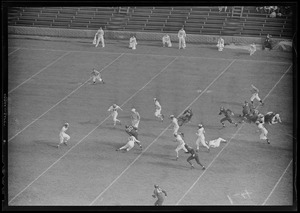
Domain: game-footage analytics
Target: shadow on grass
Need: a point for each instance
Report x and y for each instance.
(93, 122)
(173, 164)
(46, 143)
(112, 144)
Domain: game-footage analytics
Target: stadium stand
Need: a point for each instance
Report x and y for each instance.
(196, 20)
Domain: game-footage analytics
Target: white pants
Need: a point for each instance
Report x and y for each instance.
(128, 146)
(201, 139)
(114, 114)
(158, 113)
(63, 137)
(264, 133)
(169, 44)
(182, 42)
(179, 147)
(216, 143)
(100, 38)
(97, 77)
(220, 47)
(176, 128)
(255, 96)
(132, 45)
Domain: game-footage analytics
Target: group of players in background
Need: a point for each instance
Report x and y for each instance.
(166, 41)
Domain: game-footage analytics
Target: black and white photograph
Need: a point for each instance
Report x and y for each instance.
(149, 105)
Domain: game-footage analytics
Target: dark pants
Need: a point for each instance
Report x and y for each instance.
(159, 201)
(196, 159)
(226, 119)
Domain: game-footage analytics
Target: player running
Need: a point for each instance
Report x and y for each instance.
(201, 138)
(63, 136)
(158, 193)
(130, 144)
(114, 112)
(158, 110)
(194, 155)
(181, 143)
(96, 75)
(135, 118)
(185, 117)
(228, 114)
(175, 124)
(264, 131)
(255, 92)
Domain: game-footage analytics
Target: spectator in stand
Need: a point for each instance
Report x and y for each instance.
(221, 8)
(273, 14)
(267, 43)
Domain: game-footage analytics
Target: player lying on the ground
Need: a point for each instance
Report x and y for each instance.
(228, 116)
(185, 117)
(216, 143)
(131, 130)
(130, 144)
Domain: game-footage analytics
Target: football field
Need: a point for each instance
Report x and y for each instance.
(49, 83)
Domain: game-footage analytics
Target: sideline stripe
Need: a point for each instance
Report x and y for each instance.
(92, 129)
(53, 62)
(129, 53)
(62, 100)
(14, 51)
(228, 142)
(264, 203)
(144, 150)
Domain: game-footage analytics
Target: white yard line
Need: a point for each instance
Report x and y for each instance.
(14, 51)
(129, 53)
(227, 143)
(62, 100)
(144, 150)
(264, 203)
(53, 62)
(92, 129)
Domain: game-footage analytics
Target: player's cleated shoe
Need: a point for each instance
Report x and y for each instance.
(208, 150)
(268, 141)
(197, 150)
(176, 158)
(65, 143)
(192, 167)
(57, 146)
(203, 168)
(236, 124)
